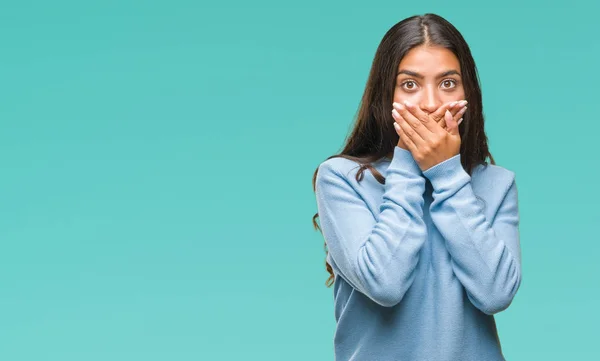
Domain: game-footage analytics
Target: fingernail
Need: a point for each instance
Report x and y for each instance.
(460, 120)
(452, 104)
(463, 110)
(463, 103)
(408, 105)
(395, 113)
(398, 106)
(396, 126)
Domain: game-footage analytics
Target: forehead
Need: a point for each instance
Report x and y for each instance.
(428, 59)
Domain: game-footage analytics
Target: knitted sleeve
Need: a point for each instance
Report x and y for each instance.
(486, 253)
(376, 256)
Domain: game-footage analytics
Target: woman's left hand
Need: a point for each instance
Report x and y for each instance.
(429, 143)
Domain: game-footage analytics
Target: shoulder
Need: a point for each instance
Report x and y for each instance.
(337, 167)
(493, 181)
(338, 175)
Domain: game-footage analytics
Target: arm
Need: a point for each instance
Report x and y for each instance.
(376, 257)
(486, 254)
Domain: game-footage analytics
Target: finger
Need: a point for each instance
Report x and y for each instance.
(438, 115)
(456, 115)
(405, 138)
(452, 123)
(453, 107)
(413, 121)
(407, 130)
(397, 127)
(431, 125)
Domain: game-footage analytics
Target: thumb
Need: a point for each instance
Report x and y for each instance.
(451, 124)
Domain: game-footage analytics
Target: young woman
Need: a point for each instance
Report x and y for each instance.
(421, 233)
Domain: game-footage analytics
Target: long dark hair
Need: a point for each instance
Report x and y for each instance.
(374, 136)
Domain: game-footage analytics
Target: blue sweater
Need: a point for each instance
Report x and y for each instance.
(421, 263)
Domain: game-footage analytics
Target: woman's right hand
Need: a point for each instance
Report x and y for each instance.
(456, 108)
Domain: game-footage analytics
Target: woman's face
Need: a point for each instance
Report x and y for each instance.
(429, 77)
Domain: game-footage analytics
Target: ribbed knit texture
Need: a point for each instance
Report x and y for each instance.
(422, 262)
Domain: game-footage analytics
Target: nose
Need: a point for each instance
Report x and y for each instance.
(430, 101)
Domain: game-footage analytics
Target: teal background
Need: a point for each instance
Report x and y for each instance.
(156, 164)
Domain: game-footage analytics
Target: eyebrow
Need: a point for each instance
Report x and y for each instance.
(417, 75)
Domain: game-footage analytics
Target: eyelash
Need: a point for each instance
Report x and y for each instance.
(443, 81)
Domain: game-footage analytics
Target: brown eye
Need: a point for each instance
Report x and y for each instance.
(449, 82)
(409, 82)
